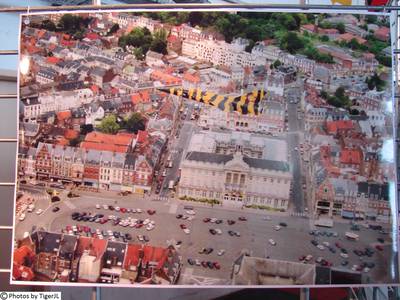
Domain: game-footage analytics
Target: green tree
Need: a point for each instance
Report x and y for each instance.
(324, 38)
(138, 52)
(159, 42)
(113, 29)
(341, 28)
(109, 125)
(48, 25)
(134, 122)
(291, 42)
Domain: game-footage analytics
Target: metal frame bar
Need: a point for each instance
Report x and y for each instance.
(188, 6)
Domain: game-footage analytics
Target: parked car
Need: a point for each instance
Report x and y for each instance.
(241, 218)
(22, 217)
(272, 242)
(56, 209)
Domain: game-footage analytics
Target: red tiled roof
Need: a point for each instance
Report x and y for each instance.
(107, 142)
(62, 141)
(92, 36)
(172, 38)
(328, 31)
(96, 247)
(309, 27)
(191, 77)
(165, 78)
(63, 115)
(52, 60)
(351, 156)
(382, 32)
(94, 88)
(132, 255)
(142, 136)
(334, 126)
(145, 96)
(66, 43)
(155, 254)
(347, 37)
(136, 98)
(71, 134)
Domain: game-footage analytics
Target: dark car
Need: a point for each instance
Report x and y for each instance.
(204, 264)
(208, 250)
(231, 233)
(206, 220)
(128, 236)
(111, 207)
(380, 240)
(242, 219)
(343, 250)
(231, 222)
(116, 234)
(146, 238)
(314, 242)
(212, 231)
(191, 261)
(210, 265)
(179, 216)
(344, 263)
(333, 250)
(218, 222)
(283, 224)
(151, 211)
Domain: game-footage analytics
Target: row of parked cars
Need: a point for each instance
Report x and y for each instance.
(124, 210)
(114, 220)
(205, 264)
(102, 234)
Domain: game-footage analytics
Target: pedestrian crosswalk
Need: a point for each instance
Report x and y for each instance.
(299, 214)
(161, 198)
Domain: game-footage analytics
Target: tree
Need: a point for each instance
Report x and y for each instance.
(375, 82)
(48, 25)
(113, 29)
(341, 28)
(109, 125)
(159, 42)
(291, 42)
(138, 52)
(324, 38)
(134, 122)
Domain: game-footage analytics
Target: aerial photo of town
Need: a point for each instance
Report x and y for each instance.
(205, 148)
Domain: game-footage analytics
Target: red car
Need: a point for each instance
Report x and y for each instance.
(231, 222)
(217, 265)
(123, 210)
(379, 247)
(204, 264)
(183, 226)
(139, 225)
(151, 211)
(338, 245)
(206, 220)
(301, 258)
(103, 221)
(242, 219)
(68, 228)
(86, 229)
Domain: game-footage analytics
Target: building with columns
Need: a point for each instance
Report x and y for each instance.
(236, 177)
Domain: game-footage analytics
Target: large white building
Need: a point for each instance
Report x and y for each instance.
(238, 169)
(218, 53)
(271, 120)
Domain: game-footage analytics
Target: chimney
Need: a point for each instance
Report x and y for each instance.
(28, 101)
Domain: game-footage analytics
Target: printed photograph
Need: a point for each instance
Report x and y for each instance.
(205, 149)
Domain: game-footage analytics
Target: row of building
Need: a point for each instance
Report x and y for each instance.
(57, 257)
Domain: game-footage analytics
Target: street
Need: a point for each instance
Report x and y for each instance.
(292, 242)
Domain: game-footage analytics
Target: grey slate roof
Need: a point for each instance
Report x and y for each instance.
(374, 190)
(255, 163)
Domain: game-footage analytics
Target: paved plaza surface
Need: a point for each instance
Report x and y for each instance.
(292, 241)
